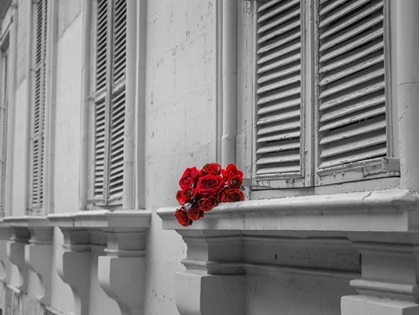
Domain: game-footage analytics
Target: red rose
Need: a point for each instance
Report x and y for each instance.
(194, 213)
(234, 181)
(180, 197)
(189, 177)
(207, 204)
(231, 195)
(208, 185)
(181, 216)
(211, 168)
(230, 171)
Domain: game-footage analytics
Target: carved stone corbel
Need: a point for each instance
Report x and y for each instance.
(389, 279)
(5, 234)
(214, 281)
(37, 252)
(16, 254)
(73, 266)
(121, 273)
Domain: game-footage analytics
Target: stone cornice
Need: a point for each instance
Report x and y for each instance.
(373, 211)
(102, 219)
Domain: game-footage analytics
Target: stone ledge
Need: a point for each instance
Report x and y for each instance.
(102, 219)
(27, 221)
(373, 211)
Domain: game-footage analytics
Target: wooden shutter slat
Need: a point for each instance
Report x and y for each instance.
(119, 49)
(356, 105)
(353, 80)
(280, 106)
(355, 29)
(361, 156)
(283, 169)
(352, 19)
(269, 26)
(346, 120)
(278, 84)
(350, 144)
(282, 40)
(273, 158)
(351, 95)
(341, 12)
(367, 126)
(268, 5)
(354, 67)
(352, 123)
(279, 31)
(101, 44)
(285, 93)
(284, 51)
(351, 57)
(280, 117)
(278, 127)
(280, 136)
(360, 40)
(286, 146)
(332, 6)
(282, 62)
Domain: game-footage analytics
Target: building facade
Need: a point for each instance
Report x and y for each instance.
(104, 104)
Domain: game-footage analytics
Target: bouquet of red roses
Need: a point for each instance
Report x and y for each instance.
(201, 190)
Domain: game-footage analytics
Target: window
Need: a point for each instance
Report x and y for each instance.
(109, 102)
(4, 92)
(322, 102)
(38, 106)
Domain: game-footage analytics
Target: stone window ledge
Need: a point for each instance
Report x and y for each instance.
(373, 211)
(102, 219)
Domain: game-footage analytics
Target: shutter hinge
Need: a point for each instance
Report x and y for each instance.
(391, 164)
(91, 98)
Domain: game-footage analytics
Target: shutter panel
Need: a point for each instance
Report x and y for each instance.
(352, 113)
(100, 104)
(279, 91)
(4, 131)
(116, 160)
(101, 45)
(39, 107)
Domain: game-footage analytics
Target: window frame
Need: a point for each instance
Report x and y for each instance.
(386, 169)
(135, 29)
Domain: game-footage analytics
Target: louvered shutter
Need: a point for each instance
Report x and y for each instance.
(110, 100)
(351, 86)
(3, 139)
(279, 88)
(118, 100)
(100, 103)
(39, 107)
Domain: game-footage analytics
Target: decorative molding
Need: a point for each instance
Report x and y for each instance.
(373, 211)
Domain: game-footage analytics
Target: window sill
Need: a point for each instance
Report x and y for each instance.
(372, 211)
(102, 219)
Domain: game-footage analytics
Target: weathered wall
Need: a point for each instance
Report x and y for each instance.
(180, 125)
